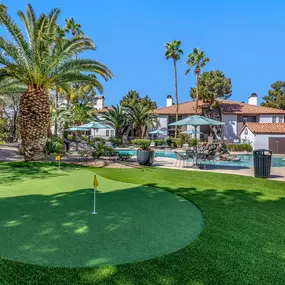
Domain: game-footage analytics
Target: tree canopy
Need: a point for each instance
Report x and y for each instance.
(133, 98)
(276, 96)
(213, 85)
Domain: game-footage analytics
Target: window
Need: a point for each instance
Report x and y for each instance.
(274, 119)
(112, 133)
(246, 131)
(280, 119)
(107, 133)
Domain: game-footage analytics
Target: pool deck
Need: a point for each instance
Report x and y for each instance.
(277, 173)
(10, 153)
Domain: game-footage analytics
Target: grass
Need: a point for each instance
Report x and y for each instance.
(242, 241)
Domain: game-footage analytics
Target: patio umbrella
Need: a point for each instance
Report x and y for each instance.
(197, 120)
(77, 128)
(158, 132)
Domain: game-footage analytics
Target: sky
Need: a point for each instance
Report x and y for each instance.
(245, 39)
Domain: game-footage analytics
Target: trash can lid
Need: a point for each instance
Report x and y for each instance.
(262, 152)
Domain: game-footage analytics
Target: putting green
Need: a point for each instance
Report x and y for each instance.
(46, 219)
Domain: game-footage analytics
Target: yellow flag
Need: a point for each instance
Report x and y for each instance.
(95, 182)
(57, 157)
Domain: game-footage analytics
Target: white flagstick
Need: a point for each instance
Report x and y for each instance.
(94, 210)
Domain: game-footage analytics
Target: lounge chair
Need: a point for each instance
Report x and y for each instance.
(211, 157)
(191, 154)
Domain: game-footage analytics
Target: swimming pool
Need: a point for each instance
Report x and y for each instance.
(246, 160)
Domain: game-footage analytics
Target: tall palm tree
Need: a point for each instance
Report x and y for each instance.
(197, 60)
(116, 118)
(141, 117)
(173, 51)
(42, 64)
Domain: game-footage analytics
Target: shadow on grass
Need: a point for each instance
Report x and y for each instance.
(15, 172)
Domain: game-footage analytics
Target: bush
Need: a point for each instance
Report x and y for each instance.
(142, 143)
(239, 147)
(193, 142)
(54, 146)
(116, 142)
(4, 131)
(169, 142)
(158, 142)
(101, 140)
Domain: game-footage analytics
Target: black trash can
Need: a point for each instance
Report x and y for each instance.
(262, 163)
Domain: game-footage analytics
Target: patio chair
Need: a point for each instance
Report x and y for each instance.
(211, 157)
(191, 154)
(202, 157)
(181, 159)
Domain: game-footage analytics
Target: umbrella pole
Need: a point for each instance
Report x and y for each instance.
(196, 149)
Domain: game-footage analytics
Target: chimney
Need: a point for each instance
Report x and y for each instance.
(169, 101)
(252, 99)
(99, 102)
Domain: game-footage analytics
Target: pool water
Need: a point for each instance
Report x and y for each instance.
(246, 160)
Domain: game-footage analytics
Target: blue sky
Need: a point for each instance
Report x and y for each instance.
(244, 39)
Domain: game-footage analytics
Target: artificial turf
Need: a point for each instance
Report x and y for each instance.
(49, 221)
(242, 241)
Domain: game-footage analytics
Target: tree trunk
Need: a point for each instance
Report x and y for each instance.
(197, 99)
(55, 107)
(34, 121)
(176, 94)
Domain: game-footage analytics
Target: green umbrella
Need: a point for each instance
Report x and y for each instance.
(197, 120)
(77, 128)
(95, 125)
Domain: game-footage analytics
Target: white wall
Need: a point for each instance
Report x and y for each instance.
(230, 129)
(249, 136)
(163, 122)
(102, 133)
(262, 141)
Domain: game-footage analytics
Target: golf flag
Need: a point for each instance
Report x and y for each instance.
(95, 182)
(57, 157)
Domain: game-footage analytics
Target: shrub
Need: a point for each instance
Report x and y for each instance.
(169, 142)
(101, 140)
(158, 142)
(142, 143)
(4, 132)
(116, 142)
(239, 147)
(54, 146)
(193, 142)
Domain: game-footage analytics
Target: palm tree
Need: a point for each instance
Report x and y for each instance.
(116, 118)
(141, 117)
(74, 28)
(197, 59)
(42, 64)
(173, 51)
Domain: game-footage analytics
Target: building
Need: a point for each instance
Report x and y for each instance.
(99, 104)
(265, 136)
(235, 114)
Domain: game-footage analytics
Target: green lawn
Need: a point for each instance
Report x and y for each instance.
(242, 242)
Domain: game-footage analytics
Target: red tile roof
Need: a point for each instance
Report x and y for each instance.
(228, 107)
(266, 128)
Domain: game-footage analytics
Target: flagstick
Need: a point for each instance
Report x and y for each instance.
(94, 211)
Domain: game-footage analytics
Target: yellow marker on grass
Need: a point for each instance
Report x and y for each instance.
(57, 158)
(95, 185)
